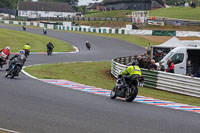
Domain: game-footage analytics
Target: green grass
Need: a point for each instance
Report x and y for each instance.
(112, 24)
(17, 39)
(98, 74)
(178, 12)
(173, 12)
(110, 14)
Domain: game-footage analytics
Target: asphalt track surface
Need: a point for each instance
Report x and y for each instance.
(32, 106)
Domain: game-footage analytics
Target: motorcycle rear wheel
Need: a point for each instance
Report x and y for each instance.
(113, 94)
(130, 97)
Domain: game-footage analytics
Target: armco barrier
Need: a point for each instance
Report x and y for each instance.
(161, 80)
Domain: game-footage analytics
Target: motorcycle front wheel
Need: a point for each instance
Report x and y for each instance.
(130, 96)
(6, 74)
(113, 94)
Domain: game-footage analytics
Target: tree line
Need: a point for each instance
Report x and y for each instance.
(12, 4)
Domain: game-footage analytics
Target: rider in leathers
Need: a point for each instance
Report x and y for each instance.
(130, 72)
(17, 59)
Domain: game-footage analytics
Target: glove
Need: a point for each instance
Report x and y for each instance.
(120, 76)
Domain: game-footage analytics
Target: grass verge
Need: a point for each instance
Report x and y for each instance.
(110, 14)
(178, 13)
(173, 12)
(17, 39)
(112, 24)
(98, 74)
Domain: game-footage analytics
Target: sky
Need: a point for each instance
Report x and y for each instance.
(86, 2)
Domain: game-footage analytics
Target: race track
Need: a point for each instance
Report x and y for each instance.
(31, 106)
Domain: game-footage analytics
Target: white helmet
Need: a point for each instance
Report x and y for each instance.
(7, 47)
(87, 41)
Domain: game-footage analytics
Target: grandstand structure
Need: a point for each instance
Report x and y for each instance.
(133, 4)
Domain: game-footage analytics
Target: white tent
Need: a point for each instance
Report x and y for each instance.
(171, 43)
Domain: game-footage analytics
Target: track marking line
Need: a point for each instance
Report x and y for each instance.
(104, 92)
(10, 131)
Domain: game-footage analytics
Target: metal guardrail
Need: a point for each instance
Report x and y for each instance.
(161, 80)
(70, 19)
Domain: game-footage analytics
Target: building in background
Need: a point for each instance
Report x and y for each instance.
(96, 6)
(133, 4)
(45, 9)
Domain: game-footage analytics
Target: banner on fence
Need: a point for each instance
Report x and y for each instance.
(163, 33)
(151, 22)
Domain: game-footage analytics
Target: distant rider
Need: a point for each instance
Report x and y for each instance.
(45, 30)
(50, 47)
(27, 49)
(130, 72)
(5, 53)
(88, 45)
(24, 27)
(18, 58)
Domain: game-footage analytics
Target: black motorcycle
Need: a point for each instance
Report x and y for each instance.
(2, 60)
(24, 28)
(129, 90)
(49, 51)
(26, 53)
(14, 71)
(88, 46)
(44, 32)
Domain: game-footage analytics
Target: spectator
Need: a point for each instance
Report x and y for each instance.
(161, 67)
(140, 61)
(135, 7)
(149, 49)
(170, 66)
(152, 66)
(147, 62)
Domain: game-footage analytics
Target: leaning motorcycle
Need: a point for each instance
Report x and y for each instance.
(24, 28)
(44, 32)
(14, 71)
(26, 53)
(2, 59)
(129, 90)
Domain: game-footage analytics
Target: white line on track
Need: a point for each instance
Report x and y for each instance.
(10, 131)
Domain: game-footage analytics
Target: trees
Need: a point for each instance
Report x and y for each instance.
(13, 3)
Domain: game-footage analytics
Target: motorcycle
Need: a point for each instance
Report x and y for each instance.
(49, 51)
(129, 90)
(14, 71)
(26, 53)
(24, 28)
(44, 32)
(2, 59)
(88, 46)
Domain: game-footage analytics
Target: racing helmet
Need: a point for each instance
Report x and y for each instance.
(21, 52)
(7, 47)
(27, 43)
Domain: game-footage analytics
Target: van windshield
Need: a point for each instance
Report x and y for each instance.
(167, 56)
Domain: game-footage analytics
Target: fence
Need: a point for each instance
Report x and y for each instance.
(161, 80)
(176, 22)
(70, 19)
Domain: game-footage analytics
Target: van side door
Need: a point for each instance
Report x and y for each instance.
(179, 60)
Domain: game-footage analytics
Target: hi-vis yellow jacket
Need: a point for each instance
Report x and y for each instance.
(131, 70)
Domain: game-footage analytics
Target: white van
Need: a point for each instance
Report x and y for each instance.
(186, 60)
